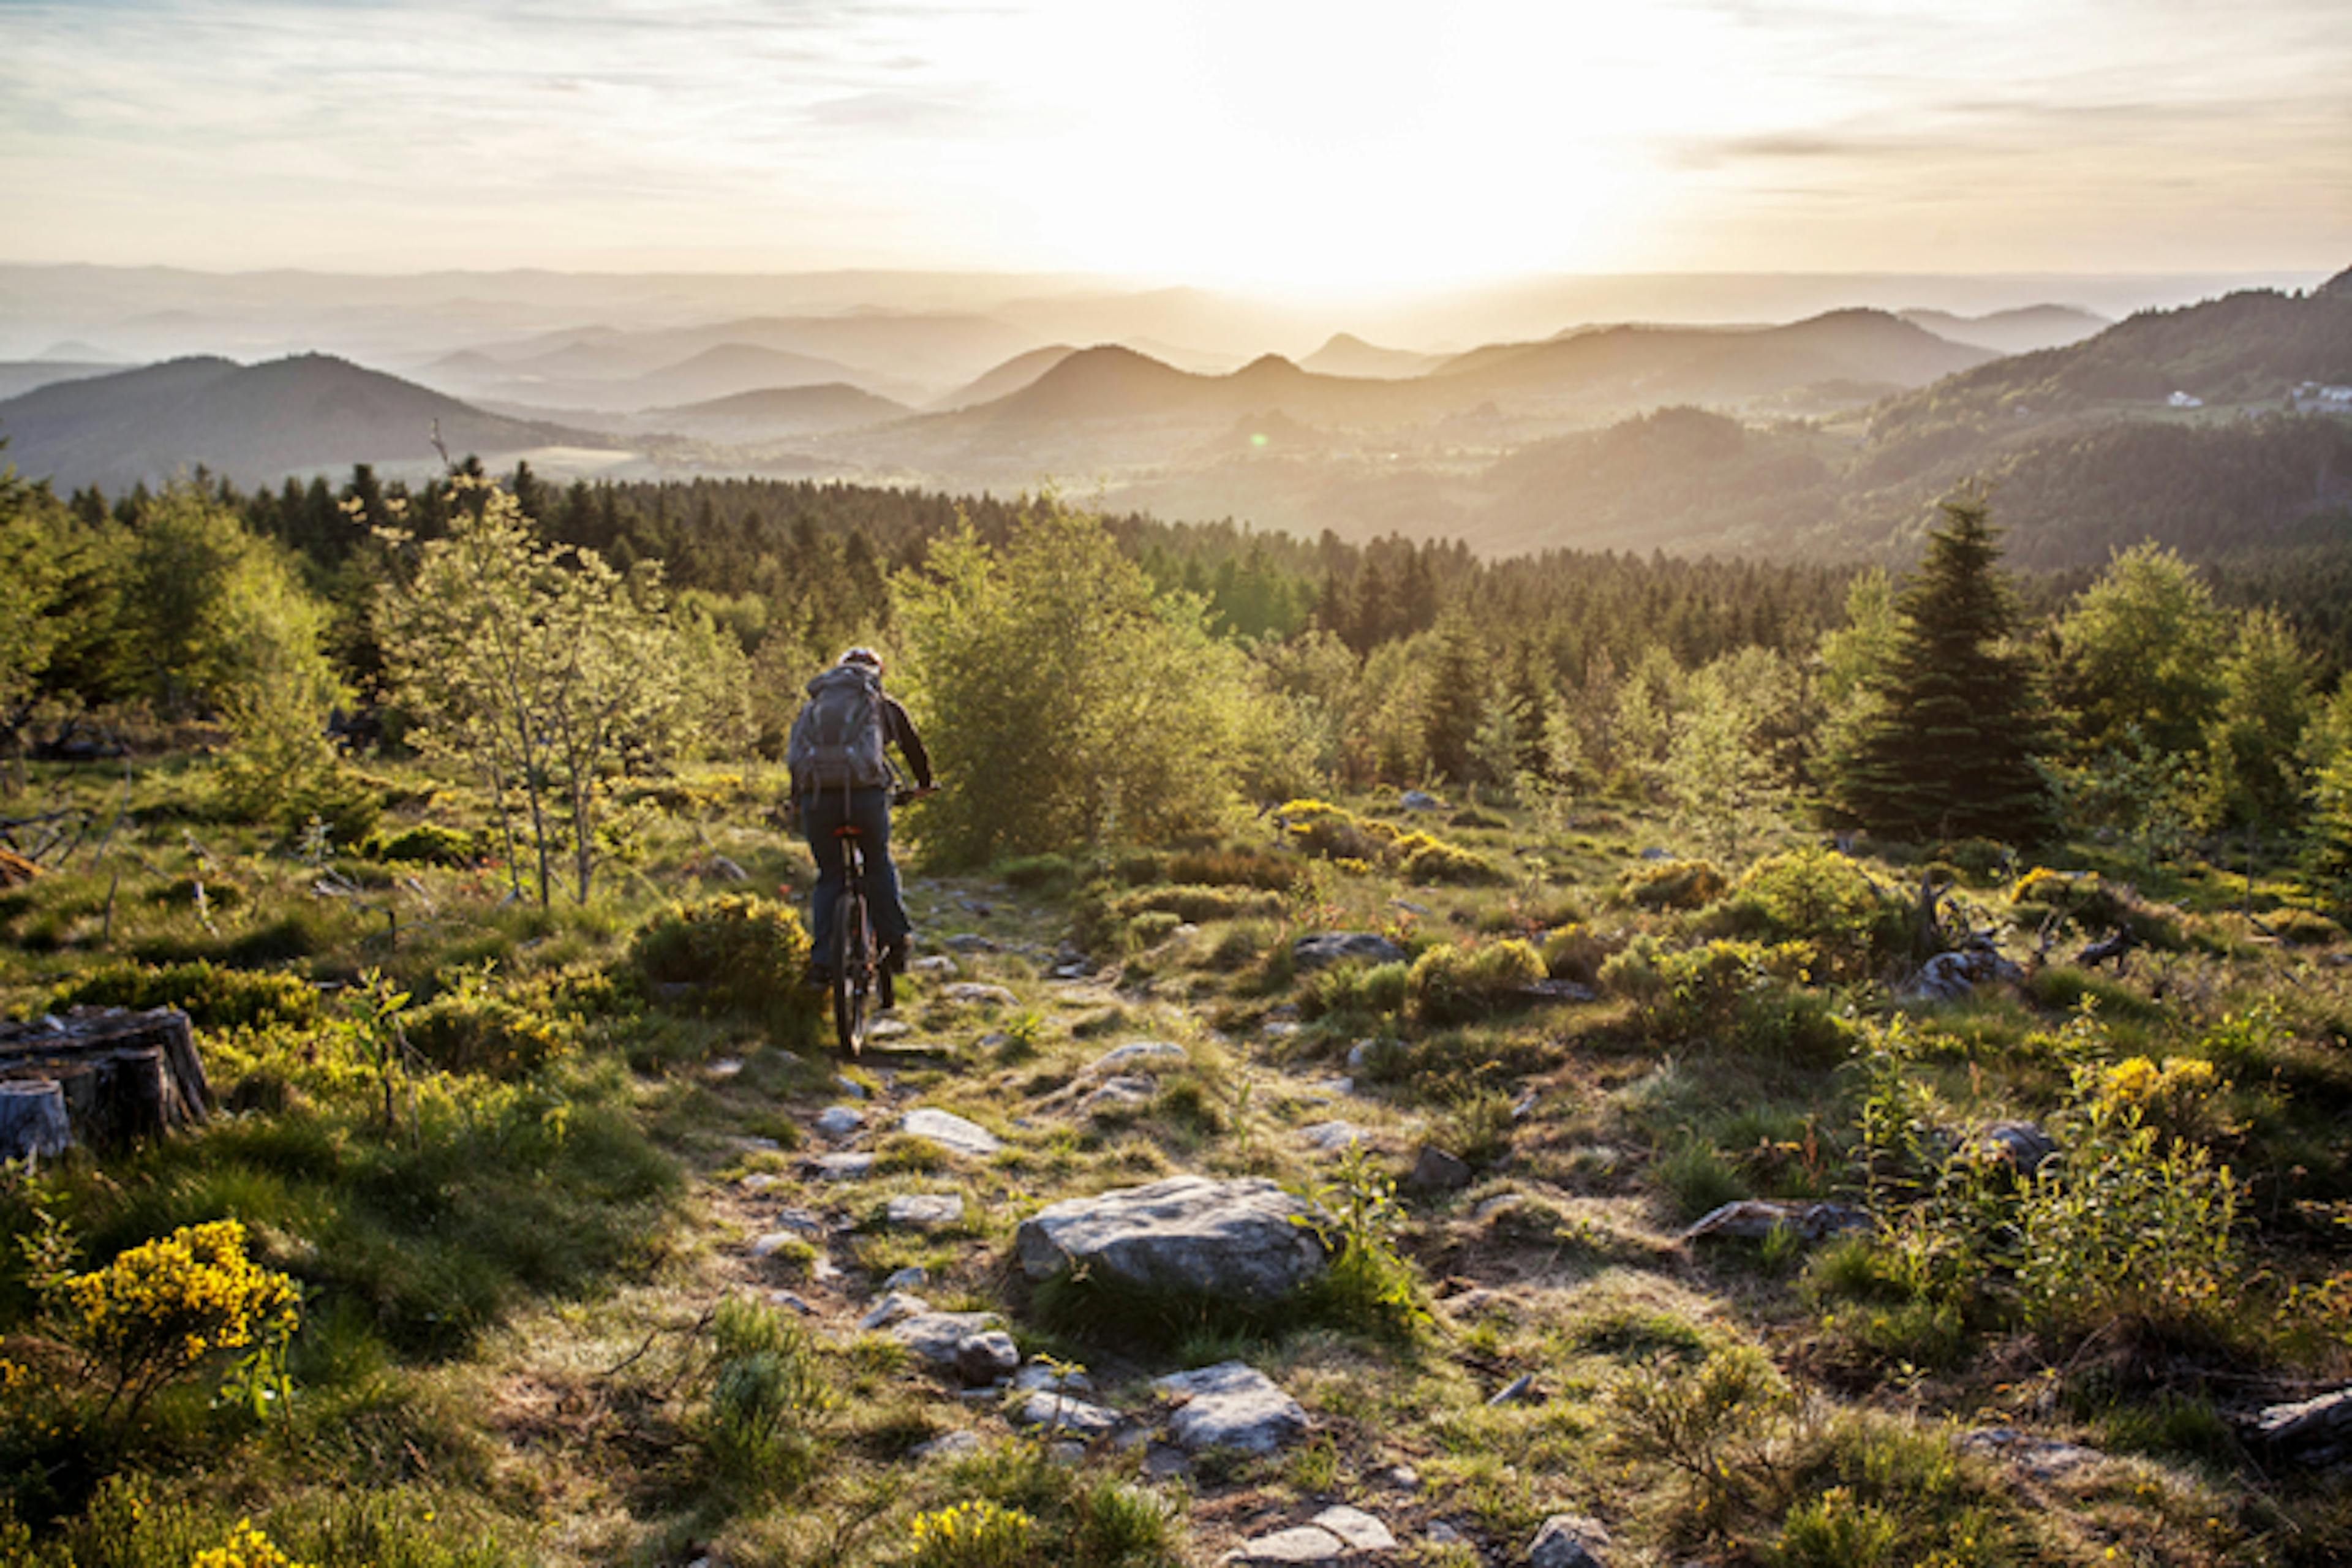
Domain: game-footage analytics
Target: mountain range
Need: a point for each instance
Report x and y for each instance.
(1827, 433)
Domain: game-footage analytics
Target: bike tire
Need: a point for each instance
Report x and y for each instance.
(853, 962)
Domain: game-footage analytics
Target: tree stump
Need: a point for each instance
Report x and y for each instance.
(119, 1076)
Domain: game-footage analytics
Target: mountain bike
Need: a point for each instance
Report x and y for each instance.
(860, 977)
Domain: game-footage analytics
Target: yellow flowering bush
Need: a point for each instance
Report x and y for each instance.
(246, 1548)
(162, 1309)
(2176, 1097)
(975, 1534)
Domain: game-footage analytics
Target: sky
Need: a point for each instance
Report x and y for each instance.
(1293, 147)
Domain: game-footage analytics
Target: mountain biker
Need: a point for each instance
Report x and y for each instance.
(841, 778)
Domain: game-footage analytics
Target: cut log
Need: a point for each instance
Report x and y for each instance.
(121, 1076)
(33, 1121)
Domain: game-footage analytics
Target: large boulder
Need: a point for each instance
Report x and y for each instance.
(1568, 1541)
(1238, 1240)
(1231, 1405)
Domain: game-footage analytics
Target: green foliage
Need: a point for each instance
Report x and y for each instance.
(1950, 749)
(1577, 952)
(1321, 828)
(1451, 985)
(2142, 655)
(742, 953)
(980, 1533)
(764, 1399)
(1721, 771)
(1708, 1422)
(1670, 884)
(1817, 896)
(1356, 991)
(2265, 706)
(2092, 905)
(33, 588)
(1726, 984)
(1235, 868)
(1369, 1284)
(1836, 1529)
(1199, 904)
(213, 998)
(474, 1029)
(1065, 702)
(423, 843)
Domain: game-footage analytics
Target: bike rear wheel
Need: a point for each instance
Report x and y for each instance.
(853, 972)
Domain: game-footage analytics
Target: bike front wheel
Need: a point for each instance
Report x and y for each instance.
(853, 974)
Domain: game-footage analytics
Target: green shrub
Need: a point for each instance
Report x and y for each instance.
(219, 892)
(1836, 1531)
(1817, 896)
(1982, 861)
(1199, 903)
(764, 1397)
(213, 998)
(1321, 829)
(1362, 992)
(1425, 860)
(1709, 1423)
(2303, 928)
(426, 844)
(2092, 905)
(1577, 953)
(746, 955)
(1671, 885)
(478, 1031)
(1038, 872)
(1455, 985)
(1235, 868)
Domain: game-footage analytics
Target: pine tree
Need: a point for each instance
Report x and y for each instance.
(1951, 752)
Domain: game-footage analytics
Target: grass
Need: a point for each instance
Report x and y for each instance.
(532, 1329)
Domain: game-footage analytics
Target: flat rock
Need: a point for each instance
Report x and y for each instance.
(977, 994)
(1949, 976)
(776, 1241)
(1568, 1541)
(1038, 1376)
(1419, 800)
(844, 1167)
(790, 1303)
(937, 964)
(1360, 1529)
(1115, 1095)
(1752, 1219)
(912, 1278)
(1206, 1238)
(792, 1217)
(1322, 948)
(939, 1337)
(1139, 1055)
(1436, 1170)
(1299, 1543)
(985, 1357)
(2039, 1458)
(837, 1122)
(924, 1210)
(849, 1086)
(758, 1181)
(1231, 1405)
(893, 1308)
(957, 1445)
(971, 941)
(1060, 1413)
(1332, 1137)
(950, 1131)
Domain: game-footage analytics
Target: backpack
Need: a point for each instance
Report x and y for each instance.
(836, 738)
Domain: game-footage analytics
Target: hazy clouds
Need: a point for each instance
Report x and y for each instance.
(1274, 142)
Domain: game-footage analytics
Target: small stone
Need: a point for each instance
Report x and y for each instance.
(937, 964)
(977, 994)
(2021, 1145)
(1367, 1054)
(1443, 1534)
(983, 1358)
(1281, 1028)
(950, 1132)
(1060, 1413)
(1231, 1405)
(749, 1144)
(910, 1278)
(1752, 1219)
(1360, 1529)
(971, 941)
(800, 1219)
(1301, 1543)
(1163, 1462)
(2317, 1424)
(956, 1445)
(939, 1337)
(1568, 1541)
(1331, 1137)
(775, 1241)
(1404, 1477)
(1069, 1452)
(1525, 1105)
(888, 1030)
(758, 1181)
(925, 1210)
(790, 1302)
(1434, 1170)
(849, 1086)
(1419, 800)
(851, 1167)
(1500, 1204)
(723, 1068)
(838, 1122)
(1520, 1388)
(1038, 1376)
(893, 1308)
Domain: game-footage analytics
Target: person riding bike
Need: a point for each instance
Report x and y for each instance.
(841, 778)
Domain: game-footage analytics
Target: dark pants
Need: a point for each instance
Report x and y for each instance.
(869, 811)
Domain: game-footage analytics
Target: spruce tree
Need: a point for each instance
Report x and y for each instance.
(1950, 753)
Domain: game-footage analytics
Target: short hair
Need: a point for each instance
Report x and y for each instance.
(865, 656)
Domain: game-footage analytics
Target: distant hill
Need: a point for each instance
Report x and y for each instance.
(254, 423)
(20, 376)
(773, 413)
(2013, 331)
(1346, 354)
(1010, 377)
(1112, 383)
(2250, 347)
(726, 370)
(1656, 366)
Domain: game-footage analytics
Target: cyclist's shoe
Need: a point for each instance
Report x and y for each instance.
(894, 955)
